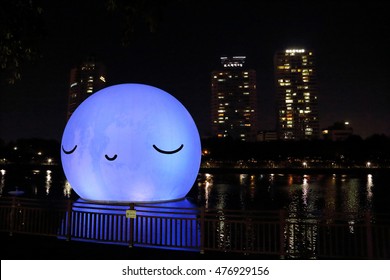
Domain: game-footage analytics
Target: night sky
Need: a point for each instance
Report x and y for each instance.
(350, 40)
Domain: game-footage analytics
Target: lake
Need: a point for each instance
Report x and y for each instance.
(255, 191)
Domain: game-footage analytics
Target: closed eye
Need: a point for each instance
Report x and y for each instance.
(168, 152)
(70, 151)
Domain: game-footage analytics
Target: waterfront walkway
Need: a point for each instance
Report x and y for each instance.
(29, 247)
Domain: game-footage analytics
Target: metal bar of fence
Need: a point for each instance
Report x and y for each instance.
(282, 226)
(370, 248)
(131, 229)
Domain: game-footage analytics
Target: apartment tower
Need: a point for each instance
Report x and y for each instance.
(85, 79)
(233, 104)
(296, 89)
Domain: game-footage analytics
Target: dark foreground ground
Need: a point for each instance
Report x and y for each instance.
(22, 247)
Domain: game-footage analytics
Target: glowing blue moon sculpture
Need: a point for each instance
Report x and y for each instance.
(131, 143)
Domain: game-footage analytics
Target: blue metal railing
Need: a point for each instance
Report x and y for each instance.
(278, 233)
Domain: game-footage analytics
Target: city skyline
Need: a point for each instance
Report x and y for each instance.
(348, 40)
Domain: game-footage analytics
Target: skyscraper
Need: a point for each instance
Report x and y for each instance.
(296, 89)
(85, 79)
(233, 104)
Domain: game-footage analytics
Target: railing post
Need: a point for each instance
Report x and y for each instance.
(12, 217)
(370, 247)
(69, 220)
(282, 225)
(131, 234)
(247, 234)
(202, 229)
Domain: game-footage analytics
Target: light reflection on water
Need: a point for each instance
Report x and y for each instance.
(44, 183)
(369, 187)
(67, 189)
(2, 180)
(292, 192)
(48, 181)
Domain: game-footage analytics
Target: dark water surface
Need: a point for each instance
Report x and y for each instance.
(292, 192)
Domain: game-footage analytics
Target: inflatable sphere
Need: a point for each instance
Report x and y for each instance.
(131, 143)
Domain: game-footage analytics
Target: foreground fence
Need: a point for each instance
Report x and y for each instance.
(273, 233)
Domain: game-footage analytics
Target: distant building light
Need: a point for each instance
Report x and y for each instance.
(295, 51)
(73, 85)
(102, 79)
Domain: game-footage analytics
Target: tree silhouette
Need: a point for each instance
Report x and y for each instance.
(21, 28)
(139, 15)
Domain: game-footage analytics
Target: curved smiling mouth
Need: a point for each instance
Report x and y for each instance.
(111, 158)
